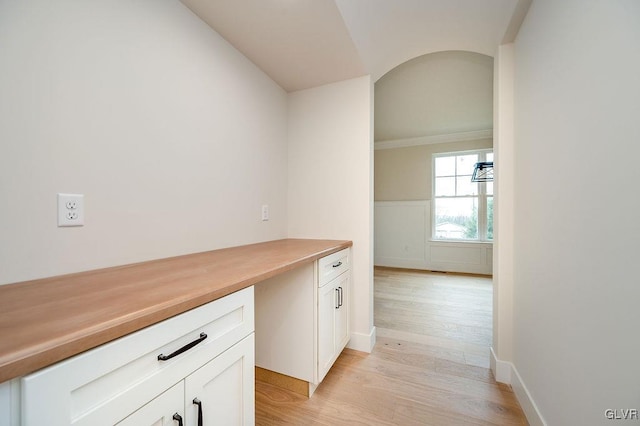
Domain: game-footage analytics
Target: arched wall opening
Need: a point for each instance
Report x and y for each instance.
(436, 103)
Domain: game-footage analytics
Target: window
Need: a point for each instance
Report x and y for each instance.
(463, 210)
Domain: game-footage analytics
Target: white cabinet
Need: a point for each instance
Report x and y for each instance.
(333, 316)
(128, 381)
(302, 318)
(6, 416)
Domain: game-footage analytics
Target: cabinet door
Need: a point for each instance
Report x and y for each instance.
(342, 313)
(327, 305)
(160, 411)
(225, 388)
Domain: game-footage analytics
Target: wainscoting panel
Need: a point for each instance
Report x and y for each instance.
(403, 240)
(401, 231)
(461, 257)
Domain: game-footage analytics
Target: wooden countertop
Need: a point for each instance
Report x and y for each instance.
(45, 321)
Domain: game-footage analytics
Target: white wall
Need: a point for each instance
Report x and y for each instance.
(576, 227)
(330, 183)
(503, 214)
(174, 137)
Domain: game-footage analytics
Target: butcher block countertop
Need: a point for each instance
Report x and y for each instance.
(45, 321)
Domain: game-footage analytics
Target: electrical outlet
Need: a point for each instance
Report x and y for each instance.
(70, 210)
(265, 212)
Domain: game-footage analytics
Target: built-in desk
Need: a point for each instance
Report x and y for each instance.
(160, 341)
(48, 320)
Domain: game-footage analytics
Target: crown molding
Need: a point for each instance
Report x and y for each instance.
(430, 140)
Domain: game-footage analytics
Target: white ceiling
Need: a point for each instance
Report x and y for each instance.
(307, 43)
(390, 32)
(441, 93)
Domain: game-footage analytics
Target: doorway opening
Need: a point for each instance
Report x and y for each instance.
(433, 123)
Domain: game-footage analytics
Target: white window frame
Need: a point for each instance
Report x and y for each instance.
(482, 198)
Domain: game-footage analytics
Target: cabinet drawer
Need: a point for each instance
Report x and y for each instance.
(105, 384)
(333, 265)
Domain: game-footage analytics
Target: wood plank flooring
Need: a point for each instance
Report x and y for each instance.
(428, 367)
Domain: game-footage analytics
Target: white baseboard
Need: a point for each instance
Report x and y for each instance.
(501, 369)
(506, 372)
(363, 342)
(392, 262)
(526, 401)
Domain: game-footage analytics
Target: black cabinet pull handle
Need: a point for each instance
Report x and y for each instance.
(178, 418)
(340, 296)
(197, 402)
(183, 349)
(335, 265)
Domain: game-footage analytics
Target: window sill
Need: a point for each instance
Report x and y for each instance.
(436, 240)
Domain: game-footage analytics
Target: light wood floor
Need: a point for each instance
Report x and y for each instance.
(428, 367)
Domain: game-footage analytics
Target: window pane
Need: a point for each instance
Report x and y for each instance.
(446, 166)
(490, 218)
(489, 156)
(445, 186)
(456, 218)
(465, 164)
(464, 186)
(489, 188)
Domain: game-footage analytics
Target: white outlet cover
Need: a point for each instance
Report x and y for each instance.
(265, 212)
(70, 210)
